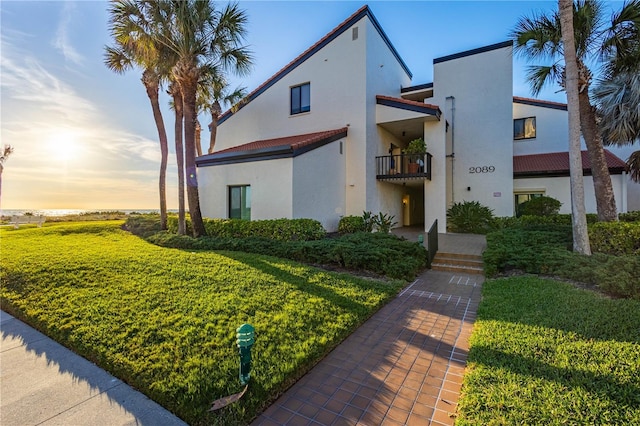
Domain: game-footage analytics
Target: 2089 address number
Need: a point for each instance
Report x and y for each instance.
(483, 169)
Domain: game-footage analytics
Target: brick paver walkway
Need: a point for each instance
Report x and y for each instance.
(404, 366)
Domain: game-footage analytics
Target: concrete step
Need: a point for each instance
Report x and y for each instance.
(461, 263)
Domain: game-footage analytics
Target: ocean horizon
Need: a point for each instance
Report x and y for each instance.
(68, 212)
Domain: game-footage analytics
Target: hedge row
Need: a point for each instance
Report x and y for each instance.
(549, 252)
(275, 229)
(616, 238)
(379, 253)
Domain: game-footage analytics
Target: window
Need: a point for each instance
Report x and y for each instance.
(301, 98)
(523, 197)
(524, 128)
(240, 202)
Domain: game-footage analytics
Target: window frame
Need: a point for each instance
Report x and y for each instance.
(524, 136)
(299, 96)
(530, 193)
(245, 197)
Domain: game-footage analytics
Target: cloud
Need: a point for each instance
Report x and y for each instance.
(67, 147)
(61, 39)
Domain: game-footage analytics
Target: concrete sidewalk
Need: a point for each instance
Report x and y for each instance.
(44, 383)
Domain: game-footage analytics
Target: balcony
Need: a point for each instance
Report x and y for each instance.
(403, 168)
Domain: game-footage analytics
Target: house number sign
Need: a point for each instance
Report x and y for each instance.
(482, 169)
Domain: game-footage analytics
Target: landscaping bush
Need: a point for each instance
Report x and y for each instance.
(547, 250)
(383, 254)
(529, 250)
(630, 216)
(275, 229)
(469, 217)
(527, 221)
(351, 224)
(144, 225)
(539, 206)
(615, 238)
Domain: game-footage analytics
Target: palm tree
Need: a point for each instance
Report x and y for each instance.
(198, 35)
(136, 48)
(213, 94)
(540, 38)
(4, 155)
(579, 217)
(617, 95)
(176, 95)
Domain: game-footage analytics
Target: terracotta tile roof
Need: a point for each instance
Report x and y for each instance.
(292, 142)
(557, 163)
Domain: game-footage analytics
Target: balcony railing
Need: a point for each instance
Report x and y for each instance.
(404, 166)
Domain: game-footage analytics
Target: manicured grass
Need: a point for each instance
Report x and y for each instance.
(544, 352)
(164, 319)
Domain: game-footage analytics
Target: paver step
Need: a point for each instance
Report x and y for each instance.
(459, 256)
(458, 262)
(455, 262)
(457, 268)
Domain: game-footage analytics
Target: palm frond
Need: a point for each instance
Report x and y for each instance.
(618, 102)
(633, 165)
(539, 76)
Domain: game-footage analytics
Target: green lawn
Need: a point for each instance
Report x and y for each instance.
(164, 319)
(544, 352)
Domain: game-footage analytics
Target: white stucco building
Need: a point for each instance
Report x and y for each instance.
(323, 138)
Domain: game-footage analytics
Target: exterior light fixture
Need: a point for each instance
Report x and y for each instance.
(245, 337)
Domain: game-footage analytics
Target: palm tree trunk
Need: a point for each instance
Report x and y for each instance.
(605, 198)
(579, 217)
(216, 110)
(177, 103)
(188, 87)
(198, 138)
(152, 85)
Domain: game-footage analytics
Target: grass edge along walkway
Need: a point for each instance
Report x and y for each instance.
(164, 320)
(545, 352)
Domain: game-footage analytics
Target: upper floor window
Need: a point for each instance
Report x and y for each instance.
(301, 98)
(524, 128)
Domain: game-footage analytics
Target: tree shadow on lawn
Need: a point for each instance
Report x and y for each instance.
(541, 302)
(605, 385)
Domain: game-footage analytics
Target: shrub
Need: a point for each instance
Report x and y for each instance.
(383, 222)
(275, 229)
(539, 206)
(616, 238)
(630, 216)
(530, 250)
(144, 225)
(545, 249)
(383, 254)
(469, 217)
(498, 223)
(351, 224)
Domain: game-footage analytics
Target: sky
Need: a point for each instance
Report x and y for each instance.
(84, 137)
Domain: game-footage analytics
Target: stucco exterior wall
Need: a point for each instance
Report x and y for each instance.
(384, 76)
(319, 184)
(271, 188)
(336, 74)
(551, 130)
(482, 124)
(560, 189)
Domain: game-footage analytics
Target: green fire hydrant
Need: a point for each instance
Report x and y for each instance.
(421, 239)
(245, 339)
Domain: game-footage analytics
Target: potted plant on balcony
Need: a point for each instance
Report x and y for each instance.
(416, 150)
